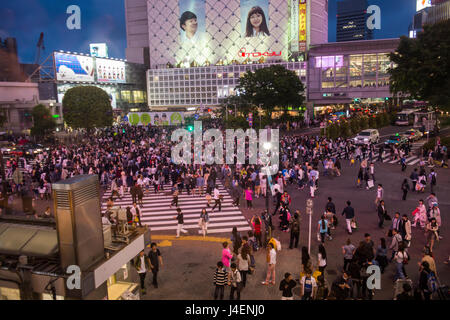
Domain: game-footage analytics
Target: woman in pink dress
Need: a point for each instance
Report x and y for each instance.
(226, 256)
(249, 197)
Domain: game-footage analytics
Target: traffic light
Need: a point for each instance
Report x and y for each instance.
(123, 130)
(190, 128)
(386, 99)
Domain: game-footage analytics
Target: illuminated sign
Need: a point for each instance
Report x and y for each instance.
(155, 118)
(302, 21)
(329, 62)
(242, 53)
(99, 50)
(110, 71)
(422, 4)
(294, 26)
(71, 67)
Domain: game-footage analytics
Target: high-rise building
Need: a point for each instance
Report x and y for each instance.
(352, 21)
(429, 12)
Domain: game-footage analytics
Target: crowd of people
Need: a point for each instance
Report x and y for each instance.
(137, 160)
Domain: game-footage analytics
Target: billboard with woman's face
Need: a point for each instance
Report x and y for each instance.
(255, 18)
(192, 20)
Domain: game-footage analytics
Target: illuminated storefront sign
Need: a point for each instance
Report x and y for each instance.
(294, 26)
(422, 4)
(302, 22)
(242, 53)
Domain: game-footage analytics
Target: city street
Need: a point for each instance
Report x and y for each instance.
(193, 273)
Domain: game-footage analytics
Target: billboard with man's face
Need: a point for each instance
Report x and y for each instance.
(192, 20)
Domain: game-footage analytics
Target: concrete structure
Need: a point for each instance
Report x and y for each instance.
(351, 21)
(340, 72)
(136, 17)
(17, 99)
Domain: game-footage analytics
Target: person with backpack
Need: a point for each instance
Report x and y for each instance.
(396, 240)
(322, 228)
(295, 230)
(308, 286)
(427, 281)
(286, 286)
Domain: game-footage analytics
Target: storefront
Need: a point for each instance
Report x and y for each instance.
(121, 285)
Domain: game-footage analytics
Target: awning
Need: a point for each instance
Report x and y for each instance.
(36, 241)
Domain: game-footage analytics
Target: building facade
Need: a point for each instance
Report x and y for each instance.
(352, 21)
(208, 86)
(339, 73)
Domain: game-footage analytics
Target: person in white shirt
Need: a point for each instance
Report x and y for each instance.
(379, 197)
(322, 258)
(217, 199)
(308, 285)
(142, 265)
(272, 261)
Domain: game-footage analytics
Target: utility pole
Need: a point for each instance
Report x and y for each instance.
(309, 210)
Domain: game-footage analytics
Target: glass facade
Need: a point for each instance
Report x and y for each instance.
(203, 85)
(354, 71)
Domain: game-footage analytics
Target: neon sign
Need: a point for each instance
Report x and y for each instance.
(243, 53)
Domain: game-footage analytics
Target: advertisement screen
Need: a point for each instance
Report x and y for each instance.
(302, 21)
(74, 68)
(255, 18)
(110, 71)
(99, 50)
(192, 20)
(422, 4)
(110, 90)
(155, 118)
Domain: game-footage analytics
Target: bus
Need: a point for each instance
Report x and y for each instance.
(405, 118)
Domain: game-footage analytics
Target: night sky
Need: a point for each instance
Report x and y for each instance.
(104, 21)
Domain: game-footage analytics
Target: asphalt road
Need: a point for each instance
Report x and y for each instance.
(189, 265)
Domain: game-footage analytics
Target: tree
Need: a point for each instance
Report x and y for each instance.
(87, 107)
(422, 66)
(43, 122)
(271, 87)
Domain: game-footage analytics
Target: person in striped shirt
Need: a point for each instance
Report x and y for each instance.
(220, 280)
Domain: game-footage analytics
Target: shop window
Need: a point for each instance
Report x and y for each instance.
(355, 84)
(138, 96)
(328, 84)
(355, 65)
(370, 65)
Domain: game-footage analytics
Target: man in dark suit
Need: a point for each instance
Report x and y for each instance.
(382, 212)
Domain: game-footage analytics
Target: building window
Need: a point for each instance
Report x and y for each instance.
(384, 64)
(327, 84)
(138, 96)
(355, 65)
(126, 95)
(370, 65)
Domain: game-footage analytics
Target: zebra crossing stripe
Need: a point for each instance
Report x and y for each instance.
(157, 214)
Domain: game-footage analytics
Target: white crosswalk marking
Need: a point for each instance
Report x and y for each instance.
(387, 158)
(159, 216)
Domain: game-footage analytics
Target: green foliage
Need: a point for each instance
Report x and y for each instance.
(43, 123)
(344, 129)
(445, 141)
(270, 87)
(322, 132)
(87, 107)
(422, 66)
(364, 123)
(354, 125)
(379, 121)
(372, 122)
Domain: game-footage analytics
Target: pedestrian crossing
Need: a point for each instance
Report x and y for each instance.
(411, 159)
(157, 214)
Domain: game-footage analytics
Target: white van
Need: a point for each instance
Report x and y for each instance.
(367, 136)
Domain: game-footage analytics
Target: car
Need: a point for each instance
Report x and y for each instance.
(413, 134)
(367, 136)
(396, 140)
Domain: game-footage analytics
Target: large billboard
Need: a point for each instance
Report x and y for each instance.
(200, 32)
(71, 67)
(422, 4)
(192, 20)
(111, 90)
(255, 18)
(99, 50)
(110, 71)
(302, 24)
(155, 118)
